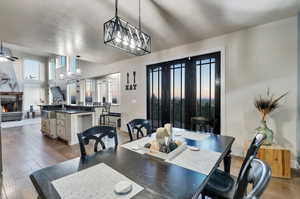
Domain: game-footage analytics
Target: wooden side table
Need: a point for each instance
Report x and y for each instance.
(277, 157)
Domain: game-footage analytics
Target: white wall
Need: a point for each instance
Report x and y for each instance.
(255, 59)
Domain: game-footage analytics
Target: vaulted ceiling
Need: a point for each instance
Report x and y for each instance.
(71, 27)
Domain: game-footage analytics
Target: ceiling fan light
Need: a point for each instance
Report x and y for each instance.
(6, 54)
(3, 59)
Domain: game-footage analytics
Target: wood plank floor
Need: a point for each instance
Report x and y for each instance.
(26, 150)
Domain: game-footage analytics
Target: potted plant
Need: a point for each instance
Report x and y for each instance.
(266, 105)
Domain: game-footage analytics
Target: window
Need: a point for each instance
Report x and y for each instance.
(61, 61)
(72, 93)
(73, 64)
(33, 95)
(102, 91)
(31, 69)
(52, 68)
(108, 89)
(89, 91)
(114, 88)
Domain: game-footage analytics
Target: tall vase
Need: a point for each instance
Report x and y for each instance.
(264, 129)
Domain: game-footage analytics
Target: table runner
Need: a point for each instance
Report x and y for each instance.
(140, 144)
(93, 183)
(178, 133)
(201, 161)
(195, 136)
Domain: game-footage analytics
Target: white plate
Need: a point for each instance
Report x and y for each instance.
(123, 187)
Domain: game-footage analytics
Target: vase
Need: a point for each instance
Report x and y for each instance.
(264, 129)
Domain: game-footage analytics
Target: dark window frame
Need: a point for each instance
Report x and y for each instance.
(190, 88)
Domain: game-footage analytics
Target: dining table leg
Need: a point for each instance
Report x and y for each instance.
(227, 162)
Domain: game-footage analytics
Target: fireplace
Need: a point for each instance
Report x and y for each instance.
(11, 103)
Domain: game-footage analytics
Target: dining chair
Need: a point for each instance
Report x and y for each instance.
(223, 181)
(202, 123)
(136, 126)
(255, 173)
(97, 134)
(105, 112)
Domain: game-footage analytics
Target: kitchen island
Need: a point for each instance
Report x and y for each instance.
(66, 121)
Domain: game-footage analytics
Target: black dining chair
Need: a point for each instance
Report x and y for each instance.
(255, 173)
(202, 123)
(136, 126)
(105, 112)
(223, 181)
(97, 134)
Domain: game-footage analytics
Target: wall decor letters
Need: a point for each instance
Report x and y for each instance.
(128, 85)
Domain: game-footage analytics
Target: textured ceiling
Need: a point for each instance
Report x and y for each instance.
(71, 27)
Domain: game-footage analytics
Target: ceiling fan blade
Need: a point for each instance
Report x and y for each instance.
(10, 59)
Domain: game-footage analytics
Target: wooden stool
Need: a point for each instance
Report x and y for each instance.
(277, 157)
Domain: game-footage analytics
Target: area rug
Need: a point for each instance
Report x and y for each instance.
(20, 123)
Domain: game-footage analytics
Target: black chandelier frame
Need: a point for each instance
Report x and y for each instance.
(121, 34)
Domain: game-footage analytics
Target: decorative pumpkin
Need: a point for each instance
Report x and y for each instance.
(168, 127)
(161, 133)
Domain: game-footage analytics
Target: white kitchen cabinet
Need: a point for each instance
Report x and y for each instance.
(68, 125)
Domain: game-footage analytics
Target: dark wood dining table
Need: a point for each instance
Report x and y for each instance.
(160, 179)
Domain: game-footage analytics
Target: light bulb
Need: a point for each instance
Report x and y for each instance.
(61, 76)
(118, 38)
(78, 70)
(132, 44)
(125, 41)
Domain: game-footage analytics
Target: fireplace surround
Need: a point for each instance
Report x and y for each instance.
(11, 103)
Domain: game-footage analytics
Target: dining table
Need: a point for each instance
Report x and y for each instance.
(159, 179)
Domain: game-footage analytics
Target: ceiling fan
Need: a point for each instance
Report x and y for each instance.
(6, 54)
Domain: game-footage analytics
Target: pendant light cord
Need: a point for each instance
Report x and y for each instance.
(116, 2)
(140, 27)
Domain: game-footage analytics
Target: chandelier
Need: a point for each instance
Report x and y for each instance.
(5, 54)
(120, 34)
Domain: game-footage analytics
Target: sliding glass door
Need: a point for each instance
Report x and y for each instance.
(181, 89)
(177, 94)
(154, 78)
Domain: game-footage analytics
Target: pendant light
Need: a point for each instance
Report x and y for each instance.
(121, 34)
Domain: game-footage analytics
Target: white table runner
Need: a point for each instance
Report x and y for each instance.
(139, 144)
(93, 183)
(195, 136)
(201, 161)
(181, 133)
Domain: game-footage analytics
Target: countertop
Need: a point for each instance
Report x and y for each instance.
(72, 111)
(78, 106)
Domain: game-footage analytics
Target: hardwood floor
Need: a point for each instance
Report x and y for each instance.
(26, 150)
